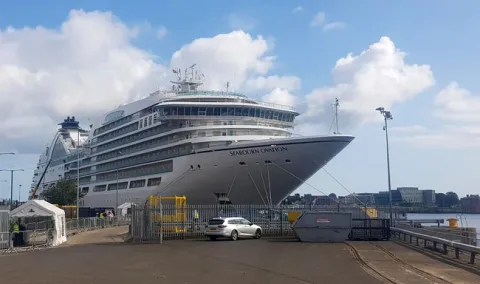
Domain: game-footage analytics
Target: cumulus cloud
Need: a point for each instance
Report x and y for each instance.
(459, 109)
(379, 76)
(457, 104)
(90, 65)
(234, 57)
(86, 66)
(280, 96)
(273, 82)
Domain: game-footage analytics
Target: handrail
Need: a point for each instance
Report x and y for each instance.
(473, 250)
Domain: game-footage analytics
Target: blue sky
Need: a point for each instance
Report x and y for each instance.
(441, 34)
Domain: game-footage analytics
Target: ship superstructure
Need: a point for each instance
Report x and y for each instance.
(211, 146)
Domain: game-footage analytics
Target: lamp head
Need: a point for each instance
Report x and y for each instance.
(380, 109)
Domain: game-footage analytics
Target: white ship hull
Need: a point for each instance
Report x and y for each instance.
(239, 172)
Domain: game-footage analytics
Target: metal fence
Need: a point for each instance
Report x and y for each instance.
(170, 222)
(38, 235)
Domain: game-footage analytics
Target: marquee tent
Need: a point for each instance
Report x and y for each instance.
(41, 208)
(123, 209)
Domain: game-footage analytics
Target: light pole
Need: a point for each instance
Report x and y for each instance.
(116, 202)
(19, 192)
(387, 115)
(78, 172)
(11, 184)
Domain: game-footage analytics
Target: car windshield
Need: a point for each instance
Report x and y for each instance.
(215, 222)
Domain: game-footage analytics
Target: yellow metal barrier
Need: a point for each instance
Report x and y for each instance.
(371, 212)
(293, 215)
(174, 218)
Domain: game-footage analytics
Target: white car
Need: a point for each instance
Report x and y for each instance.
(233, 228)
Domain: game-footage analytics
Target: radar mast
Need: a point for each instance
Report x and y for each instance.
(191, 80)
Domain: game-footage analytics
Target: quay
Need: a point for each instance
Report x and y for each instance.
(102, 256)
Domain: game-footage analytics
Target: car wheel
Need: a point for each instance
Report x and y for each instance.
(213, 238)
(234, 235)
(258, 234)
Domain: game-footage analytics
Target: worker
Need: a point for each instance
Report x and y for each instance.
(195, 219)
(102, 219)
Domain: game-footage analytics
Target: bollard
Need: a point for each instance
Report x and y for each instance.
(472, 258)
(445, 249)
(457, 253)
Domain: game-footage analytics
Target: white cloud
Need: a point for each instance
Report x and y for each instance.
(241, 22)
(379, 76)
(280, 96)
(86, 67)
(457, 104)
(460, 110)
(318, 20)
(412, 129)
(273, 82)
(334, 26)
(446, 137)
(161, 32)
(89, 66)
(234, 57)
(297, 9)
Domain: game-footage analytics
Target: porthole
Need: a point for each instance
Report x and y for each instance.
(288, 161)
(268, 162)
(242, 163)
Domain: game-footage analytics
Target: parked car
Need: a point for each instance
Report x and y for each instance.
(233, 228)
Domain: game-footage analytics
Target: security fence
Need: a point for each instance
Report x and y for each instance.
(166, 222)
(38, 235)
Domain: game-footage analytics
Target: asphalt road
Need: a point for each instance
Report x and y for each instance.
(244, 261)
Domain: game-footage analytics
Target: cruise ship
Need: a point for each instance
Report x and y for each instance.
(210, 146)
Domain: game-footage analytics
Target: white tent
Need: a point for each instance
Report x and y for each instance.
(123, 209)
(41, 208)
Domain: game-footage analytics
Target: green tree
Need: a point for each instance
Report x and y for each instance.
(451, 199)
(64, 192)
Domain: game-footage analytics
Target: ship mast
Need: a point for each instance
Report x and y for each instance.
(191, 80)
(336, 106)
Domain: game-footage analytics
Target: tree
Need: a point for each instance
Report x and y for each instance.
(451, 199)
(63, 192)
(440, 199)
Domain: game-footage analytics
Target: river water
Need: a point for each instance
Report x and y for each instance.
(464, 220)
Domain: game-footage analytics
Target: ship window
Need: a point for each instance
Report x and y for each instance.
(154, 181)
(217, 111)
(245, 111)
(194, 111)
(257, 112)
(238, 111)
(150, 120)
(231, 111)
(268, 162)
(262, 113)
(165, 110)
(137, 183)
(209, 111)
(188, 110)
(145, 122)
(251, 112)
(181, 110)
(202, 111)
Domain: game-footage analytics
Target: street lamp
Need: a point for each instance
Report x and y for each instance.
(19, 192)
(78, 172)
(11, 184)
(116, 202)
(387, 115)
